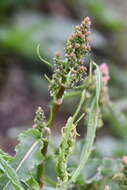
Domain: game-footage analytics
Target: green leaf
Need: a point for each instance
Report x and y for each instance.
(10, 172)
(4, 155)
(28, 155)
(33, 184)
(3, 181)
(3, 177)
(98, 83)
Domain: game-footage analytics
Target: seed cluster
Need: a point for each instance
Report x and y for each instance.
(40, 120)
(65, 150)
(78, 44)
(70, 71)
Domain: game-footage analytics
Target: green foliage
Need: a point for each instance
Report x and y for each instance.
(33, 167)
(28, 153)
(11, 174)
(28, 156)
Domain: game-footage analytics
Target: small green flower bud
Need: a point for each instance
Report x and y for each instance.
(40, 120)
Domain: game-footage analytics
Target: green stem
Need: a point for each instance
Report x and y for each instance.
(80, 105)
(53, 112)
(43, 60)
(90, 72)
(80, 118)
(55, 106)
(72, 94)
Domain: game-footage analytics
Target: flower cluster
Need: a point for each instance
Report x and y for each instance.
(105, 73)
(105, 79)
(71, 70)
(78, 44)
(39, 121)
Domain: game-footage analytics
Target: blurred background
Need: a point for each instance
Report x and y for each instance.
(25, 24)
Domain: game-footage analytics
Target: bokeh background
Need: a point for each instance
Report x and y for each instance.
(26, 23)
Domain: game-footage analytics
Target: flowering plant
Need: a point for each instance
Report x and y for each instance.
(39, 164)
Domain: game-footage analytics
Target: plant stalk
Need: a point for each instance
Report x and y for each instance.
(53, 113)
(55, 106)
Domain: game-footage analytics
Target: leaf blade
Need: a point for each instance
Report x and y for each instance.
(11, 174)
(28, 155)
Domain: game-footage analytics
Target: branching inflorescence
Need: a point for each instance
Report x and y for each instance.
(71, 70)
